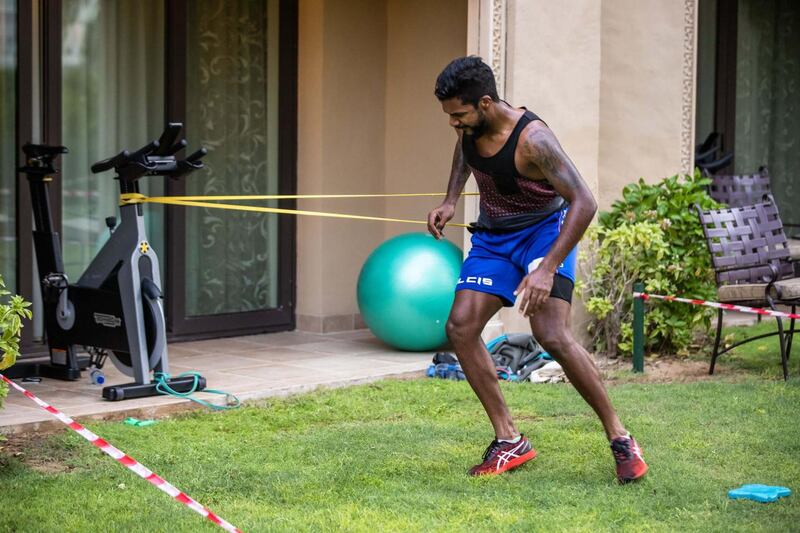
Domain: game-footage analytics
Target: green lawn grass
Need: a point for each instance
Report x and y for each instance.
(392, 456)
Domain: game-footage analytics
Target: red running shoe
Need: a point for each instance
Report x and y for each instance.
(628, 455)
(502, 456)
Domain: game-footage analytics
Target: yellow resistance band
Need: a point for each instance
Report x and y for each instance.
(135, 198)
(297, 196)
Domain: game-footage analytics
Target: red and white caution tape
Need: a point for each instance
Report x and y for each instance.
(717, 305)
(128, 461)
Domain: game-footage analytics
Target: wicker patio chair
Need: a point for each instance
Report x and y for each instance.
(740, 189)
(749, 189)
(751, 261)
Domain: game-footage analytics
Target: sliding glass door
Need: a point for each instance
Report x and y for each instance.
(8, 175)
(112, 98)
(768, 97)
(232, 108)
(235, 63)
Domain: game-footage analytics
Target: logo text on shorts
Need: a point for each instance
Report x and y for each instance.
(477, 280)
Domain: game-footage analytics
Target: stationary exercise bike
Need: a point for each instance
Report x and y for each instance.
(115, 309)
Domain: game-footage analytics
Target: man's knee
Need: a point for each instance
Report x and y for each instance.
(556, 342)
(462, 329)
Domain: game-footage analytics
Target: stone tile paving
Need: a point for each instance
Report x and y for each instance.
(251, 367)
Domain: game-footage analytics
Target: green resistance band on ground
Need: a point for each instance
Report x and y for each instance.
(195, 201)
(162, 386)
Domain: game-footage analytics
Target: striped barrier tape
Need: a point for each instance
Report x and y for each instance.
(716, 305)
(128, 461)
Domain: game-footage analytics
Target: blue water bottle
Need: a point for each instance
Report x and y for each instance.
(96, 377)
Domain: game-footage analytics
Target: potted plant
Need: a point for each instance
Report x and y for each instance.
(13, 309)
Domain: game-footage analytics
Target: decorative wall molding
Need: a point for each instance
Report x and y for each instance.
(489, 19)
(688, 81)
(498, 42)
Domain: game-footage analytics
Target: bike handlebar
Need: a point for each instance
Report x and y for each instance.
(155, 159)
(180, 145)
(111, 162)
(197, 155)
(144, 151)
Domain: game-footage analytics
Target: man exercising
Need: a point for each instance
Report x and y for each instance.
(534, 208)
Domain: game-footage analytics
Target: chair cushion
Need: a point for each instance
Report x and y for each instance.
(754, 292)
(794, 248)
(789, 289)
(744, 292)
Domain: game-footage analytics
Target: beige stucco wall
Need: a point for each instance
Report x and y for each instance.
(553, 68)
(423, 36)
(368, 123)
(607, 76)
(341, 102)
(641, 90)
(309, 160)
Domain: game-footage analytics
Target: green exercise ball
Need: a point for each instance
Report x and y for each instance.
(406, 289)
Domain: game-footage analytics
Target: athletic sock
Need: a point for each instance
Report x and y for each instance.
(512, 441)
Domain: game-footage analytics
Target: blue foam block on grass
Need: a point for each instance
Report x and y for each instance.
(759, 493)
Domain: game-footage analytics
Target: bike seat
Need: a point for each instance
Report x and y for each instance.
(40, 158)
(42, 151)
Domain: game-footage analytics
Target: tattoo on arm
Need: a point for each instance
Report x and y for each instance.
(543, 150)
(458, 175)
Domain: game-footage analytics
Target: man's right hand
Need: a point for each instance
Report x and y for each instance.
(439, 217)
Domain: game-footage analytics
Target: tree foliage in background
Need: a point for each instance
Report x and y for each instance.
(12, 311)
(651, 235)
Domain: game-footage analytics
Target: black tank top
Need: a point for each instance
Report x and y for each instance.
(508, 200)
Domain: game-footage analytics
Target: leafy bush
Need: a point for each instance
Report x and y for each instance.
(12, 311)
(651, 235)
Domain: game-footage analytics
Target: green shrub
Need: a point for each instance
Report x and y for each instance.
(651, 235)
(12, 311)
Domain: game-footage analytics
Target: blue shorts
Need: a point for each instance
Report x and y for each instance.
(497, 262)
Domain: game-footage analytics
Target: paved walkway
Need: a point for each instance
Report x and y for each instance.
(251, 367)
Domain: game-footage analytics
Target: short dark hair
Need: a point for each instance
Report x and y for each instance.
(467, 78)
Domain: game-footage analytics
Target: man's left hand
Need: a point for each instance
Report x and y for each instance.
(535, 290)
